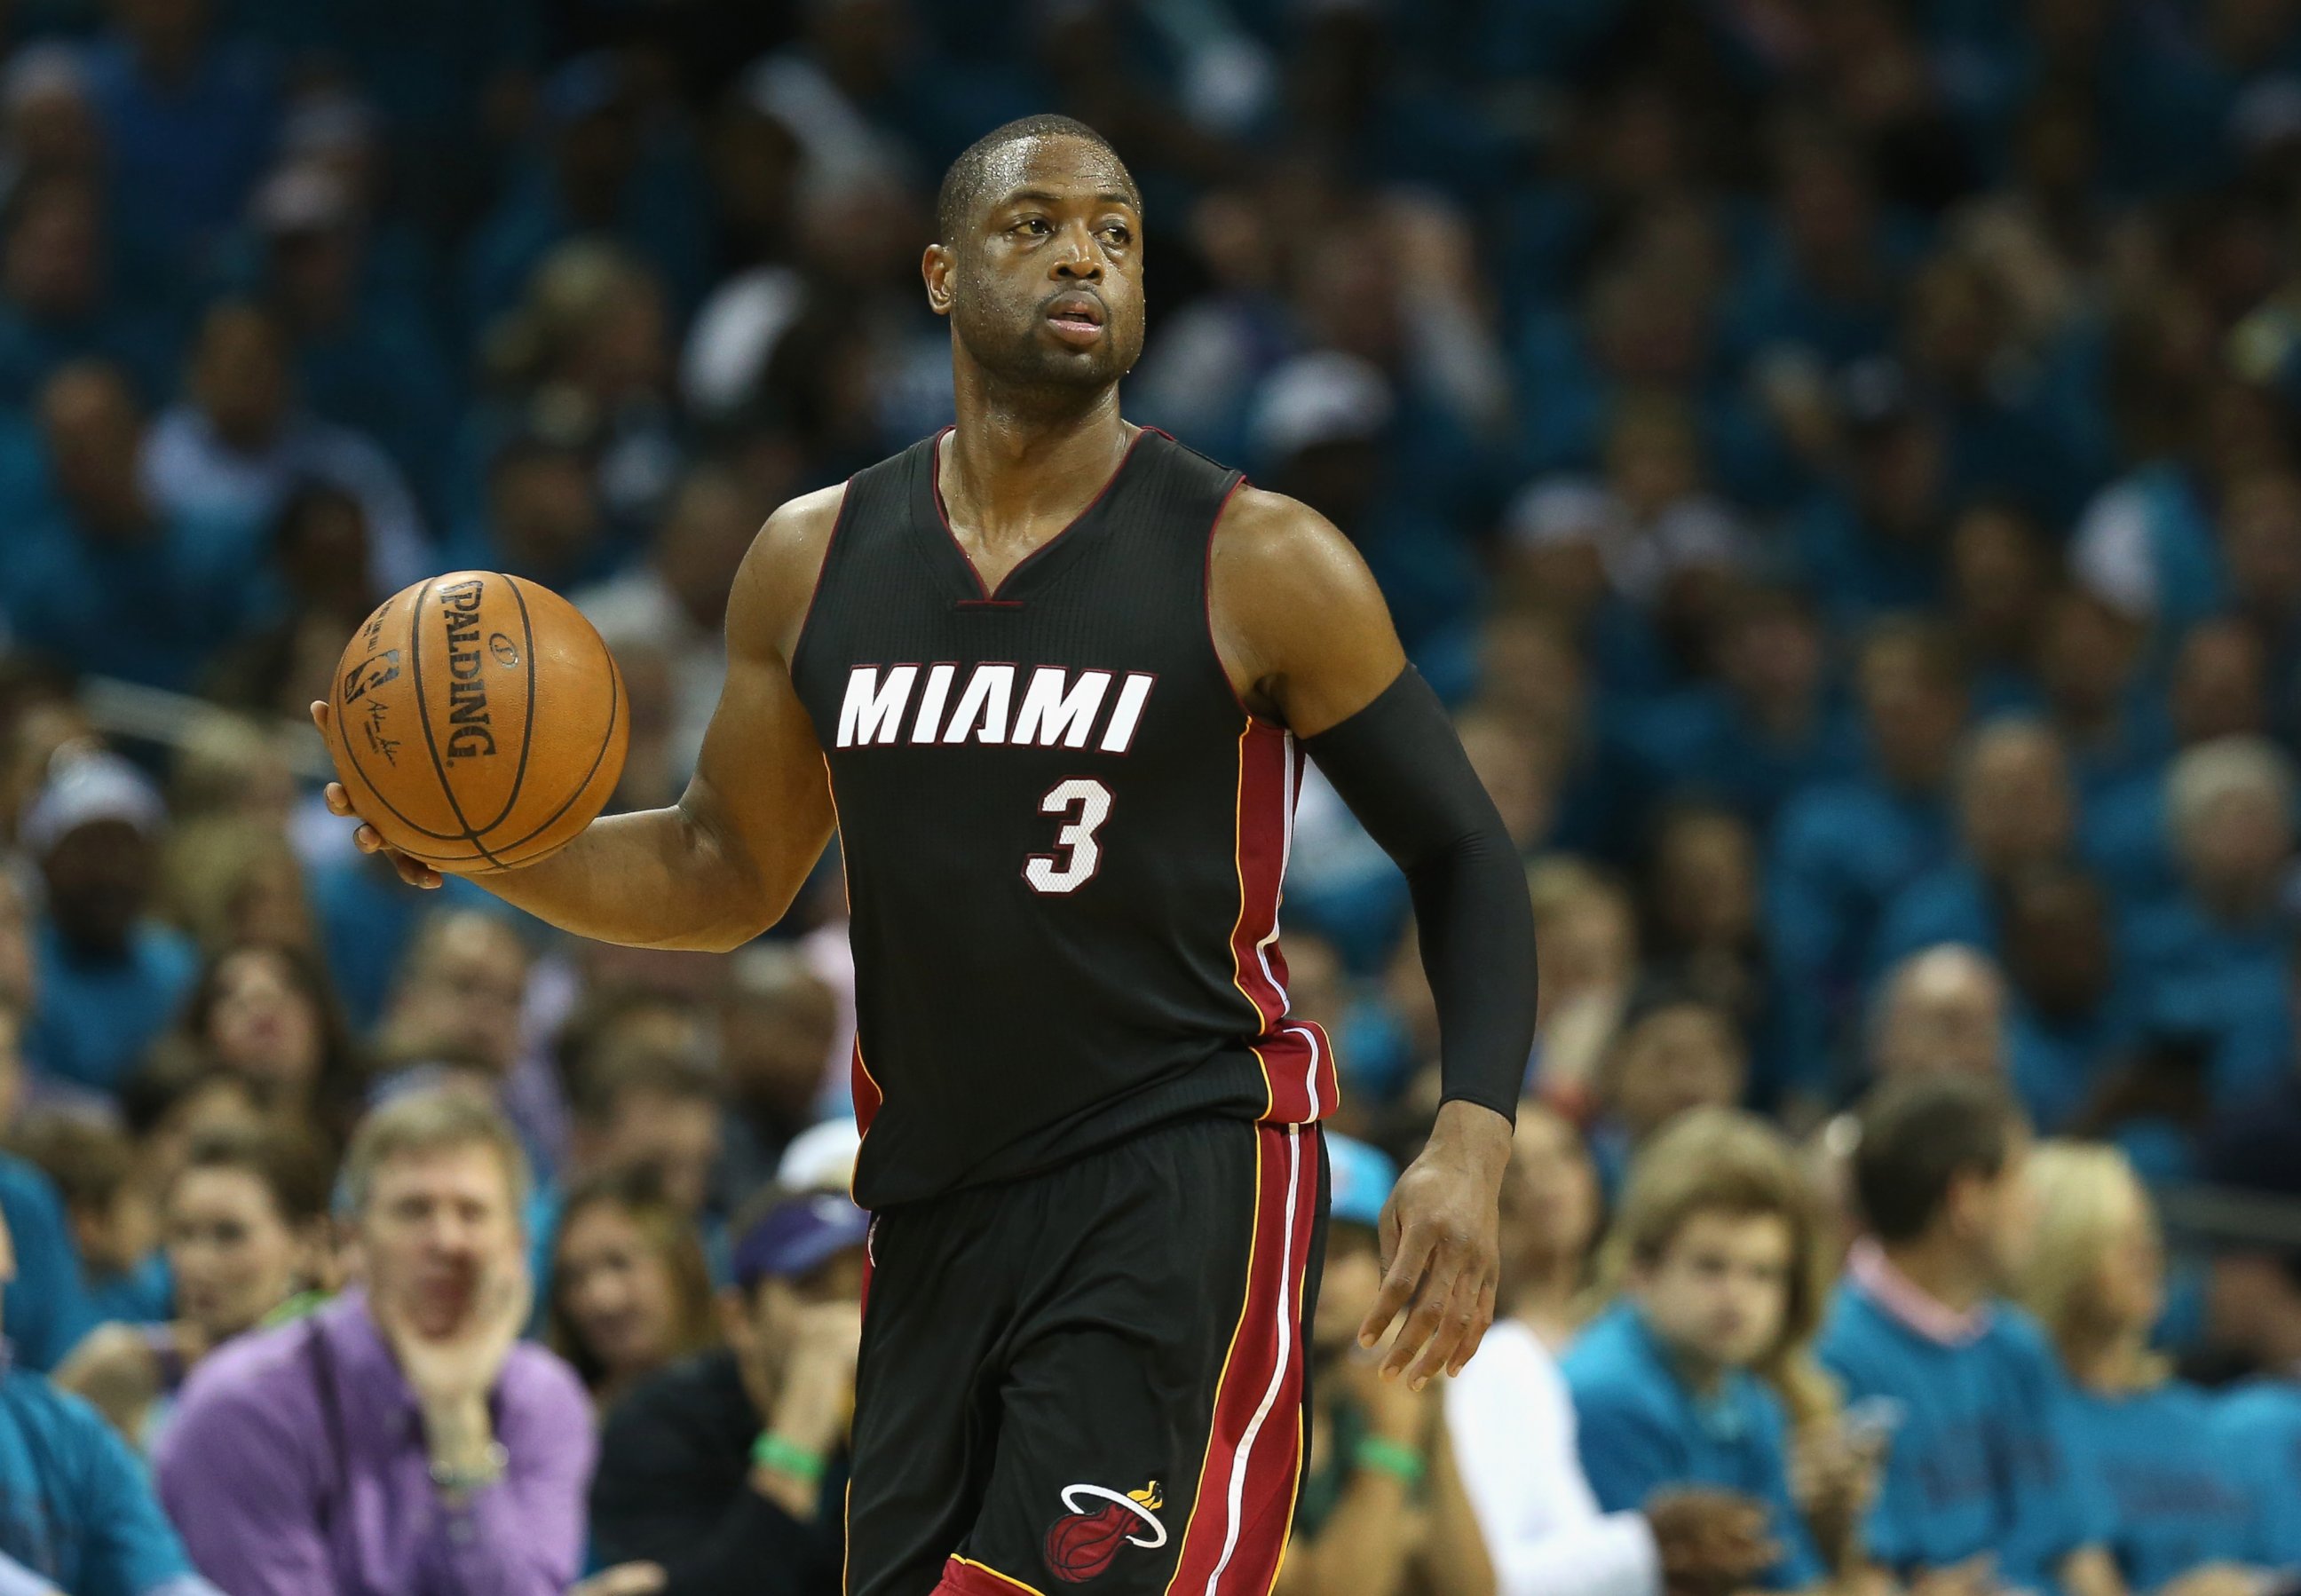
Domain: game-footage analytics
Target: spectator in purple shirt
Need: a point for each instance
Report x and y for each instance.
(402, 1438)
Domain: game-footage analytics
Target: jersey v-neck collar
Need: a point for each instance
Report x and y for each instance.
(932, 518)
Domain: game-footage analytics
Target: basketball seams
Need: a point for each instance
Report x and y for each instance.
(607, 741)
(343, 738)
(527, 723)
(423, 718)
(469, 849)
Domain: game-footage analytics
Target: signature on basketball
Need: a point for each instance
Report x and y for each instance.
(388, 746)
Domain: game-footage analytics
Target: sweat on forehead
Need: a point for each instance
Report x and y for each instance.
(1006, 156)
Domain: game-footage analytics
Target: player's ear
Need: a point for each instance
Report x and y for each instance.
(935, 267)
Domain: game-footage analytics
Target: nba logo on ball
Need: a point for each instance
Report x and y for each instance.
(1099, 1521)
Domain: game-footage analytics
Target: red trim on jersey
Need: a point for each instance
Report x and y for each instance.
(1298, 1065)
(1256, 967)
(963, 1577)
(1245, 1506)
(867, 1095)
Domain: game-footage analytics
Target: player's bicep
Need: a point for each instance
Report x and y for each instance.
(1298, 618)
(760, 783)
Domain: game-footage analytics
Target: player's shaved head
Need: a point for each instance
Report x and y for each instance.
(979, 171)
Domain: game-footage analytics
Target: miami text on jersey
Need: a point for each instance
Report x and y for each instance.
(1059, 708)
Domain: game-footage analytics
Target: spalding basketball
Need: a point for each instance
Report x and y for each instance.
(479, 722)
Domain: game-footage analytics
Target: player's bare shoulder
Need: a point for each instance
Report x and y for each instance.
(776, 585)
(1288, 600)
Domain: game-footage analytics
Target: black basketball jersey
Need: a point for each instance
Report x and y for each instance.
(1064, 835)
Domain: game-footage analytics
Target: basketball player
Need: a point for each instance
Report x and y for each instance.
(1054, 676)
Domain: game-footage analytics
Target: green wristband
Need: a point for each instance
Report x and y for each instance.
(771, 1451)
(1402, 1463)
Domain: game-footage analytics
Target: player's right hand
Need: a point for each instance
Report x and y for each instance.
(415, 871)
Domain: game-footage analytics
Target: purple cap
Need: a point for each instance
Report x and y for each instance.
(797, 1234)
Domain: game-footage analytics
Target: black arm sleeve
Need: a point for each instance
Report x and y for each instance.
(1401, 770)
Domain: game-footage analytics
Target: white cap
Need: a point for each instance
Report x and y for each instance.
(820, 1158)
(86, 785)
(1324, 396)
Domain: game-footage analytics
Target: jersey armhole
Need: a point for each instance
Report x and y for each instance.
(1207, 595)
(814, 593)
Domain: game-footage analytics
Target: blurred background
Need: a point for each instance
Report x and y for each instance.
(1838, 458)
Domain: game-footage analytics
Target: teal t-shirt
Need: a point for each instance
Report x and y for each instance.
(2171, 1497)
(75, 1506)
(1643, 1430)
(1980, 1459)
(2258, 1426)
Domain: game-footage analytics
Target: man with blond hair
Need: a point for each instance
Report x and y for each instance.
(402, 1438)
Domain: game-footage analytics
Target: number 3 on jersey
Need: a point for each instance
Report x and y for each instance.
(1075, 865)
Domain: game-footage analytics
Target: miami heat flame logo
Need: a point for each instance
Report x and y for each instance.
(1081, 1544)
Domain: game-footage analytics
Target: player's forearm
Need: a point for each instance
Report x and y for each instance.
(660, 878)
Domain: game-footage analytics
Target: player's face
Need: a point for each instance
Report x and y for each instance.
(1046, 290)
(1719, 1291)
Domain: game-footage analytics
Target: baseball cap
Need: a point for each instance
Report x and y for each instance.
(85, 786)
(1360, 1178)
(797, 1234)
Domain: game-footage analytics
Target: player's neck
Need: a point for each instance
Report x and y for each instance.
(1015, 458)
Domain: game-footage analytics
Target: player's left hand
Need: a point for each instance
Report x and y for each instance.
(1440, 1246)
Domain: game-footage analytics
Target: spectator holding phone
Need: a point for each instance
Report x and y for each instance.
(1981, 1464)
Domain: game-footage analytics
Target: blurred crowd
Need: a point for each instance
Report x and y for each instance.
(1839, 459)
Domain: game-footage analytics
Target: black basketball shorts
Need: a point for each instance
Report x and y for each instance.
(1092, 1379)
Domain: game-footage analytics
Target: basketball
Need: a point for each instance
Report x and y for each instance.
(478, 722)
(1082, 1545)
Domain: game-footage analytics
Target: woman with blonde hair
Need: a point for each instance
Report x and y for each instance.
(2180, 1520)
